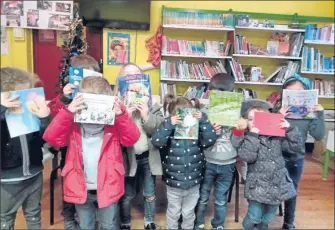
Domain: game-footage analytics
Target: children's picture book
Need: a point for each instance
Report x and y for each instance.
(77, 74)
(268, 124)
(189, 128)
(135, 88)
(99, 109)
(224, 107)
(21, 121)
(300, 103)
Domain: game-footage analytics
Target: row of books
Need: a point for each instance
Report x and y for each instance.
(200, 48)
(325, 87)
(168, 89)
(324, 34)
(183, 70)
(197, 18)
(314, 61)
(199, 92)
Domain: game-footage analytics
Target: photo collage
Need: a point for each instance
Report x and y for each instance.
(27, 14)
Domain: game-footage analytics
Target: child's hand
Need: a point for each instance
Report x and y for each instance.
(242, 124)
(284, 124)
(175, 120)
(254, 130)
(68, 89)
(318, 108)
(131, 109)
(197, 115)
(117, 108)
(77, 104)
(40, 107)
(284, 111)
(10, 102)
(144, 110)
(217, 128)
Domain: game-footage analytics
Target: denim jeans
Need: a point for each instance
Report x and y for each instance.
(295, 169)
(143, 175)
(221, 176)
(87, 214)
(259, 215)
(26, 194)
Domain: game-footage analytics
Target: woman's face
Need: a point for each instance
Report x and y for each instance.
(295, 86)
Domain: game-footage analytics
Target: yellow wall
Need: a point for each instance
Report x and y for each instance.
(20, 51)
(139, 54)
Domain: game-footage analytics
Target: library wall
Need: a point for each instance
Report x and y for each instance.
(139, 54)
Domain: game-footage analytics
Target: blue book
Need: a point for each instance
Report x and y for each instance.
(21, 121)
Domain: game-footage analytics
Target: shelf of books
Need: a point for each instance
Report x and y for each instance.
(235, 46)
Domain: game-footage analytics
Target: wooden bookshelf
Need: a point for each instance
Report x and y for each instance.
(195, 56)
(266, 56)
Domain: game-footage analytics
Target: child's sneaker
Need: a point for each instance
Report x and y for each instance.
(125, 227)
(288, 226)
(219, 228)
(151, 226)
(199, 227)
(71, 224)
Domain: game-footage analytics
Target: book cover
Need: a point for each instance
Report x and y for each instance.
(224, 107)
(99, 109)
(189, 129)
(268, 124)
(21, 121)
(77, 74)
(135, 88)
(300, 103)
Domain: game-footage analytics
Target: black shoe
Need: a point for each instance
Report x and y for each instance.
(288, 226)
(150, 226)
(125, 227)
(71, 224)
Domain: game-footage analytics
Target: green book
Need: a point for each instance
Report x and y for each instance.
(189, 128)
(224, 107)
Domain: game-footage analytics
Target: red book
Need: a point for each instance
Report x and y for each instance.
(268, 124)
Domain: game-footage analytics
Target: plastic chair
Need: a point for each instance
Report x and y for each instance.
(329, 153)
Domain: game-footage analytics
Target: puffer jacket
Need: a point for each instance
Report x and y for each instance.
(268, 181)
(183, 160)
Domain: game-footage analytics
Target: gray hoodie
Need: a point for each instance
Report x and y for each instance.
(222, 152)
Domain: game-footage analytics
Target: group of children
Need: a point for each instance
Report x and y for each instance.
(104, 165)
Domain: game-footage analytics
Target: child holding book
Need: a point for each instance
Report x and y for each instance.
(268, 182)
(21, 157)
(294, 160)
(142, 160)
(183, 162)
(81, 61)
(220, 164)
(93, 171)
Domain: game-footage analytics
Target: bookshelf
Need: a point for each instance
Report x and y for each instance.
(322, 43)
(195, 56)
(317, 73)
(277, 28)
(267, 56)
(187, 27)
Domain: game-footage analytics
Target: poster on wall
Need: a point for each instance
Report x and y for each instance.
(118, 49)
(48, 15)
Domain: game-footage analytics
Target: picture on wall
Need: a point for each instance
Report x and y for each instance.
(13, 21)
(44, 5)
(63, 7)
(12, 8)
(118, 49)
(32, 18)
(57, 21)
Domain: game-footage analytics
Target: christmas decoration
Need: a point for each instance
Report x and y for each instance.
(74, 45)
(154, 45)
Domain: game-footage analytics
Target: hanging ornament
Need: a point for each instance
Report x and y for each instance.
(154, 45)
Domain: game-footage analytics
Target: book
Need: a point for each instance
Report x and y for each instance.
(21, 121)
(314, 61)
(224, 107)
(300, 103)
(99, 109)
(77, 74)
(189, 128)
(135, 88)
(268, 124)
(324, 34)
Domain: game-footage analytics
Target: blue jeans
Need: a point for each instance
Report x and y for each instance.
(259, 215)
(295, 169)
(221, 176)
(86, 213)
(143, 175)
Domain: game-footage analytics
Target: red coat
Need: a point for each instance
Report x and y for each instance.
(56, 105)
(110, 183)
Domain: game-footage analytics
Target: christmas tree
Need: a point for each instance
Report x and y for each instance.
(74, 45)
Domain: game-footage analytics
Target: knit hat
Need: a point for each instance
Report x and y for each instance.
(252, 103)
(296, 77)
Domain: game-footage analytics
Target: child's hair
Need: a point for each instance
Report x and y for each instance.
(85, 61)
(196, 103)
(222, 82)
(95, 85)
(167, 100)
(11, 77)
(179, 102)
(123, 72)
(257, 108)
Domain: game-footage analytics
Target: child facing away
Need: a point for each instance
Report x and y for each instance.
(220, 165)
(294, 160)
(93, 172)
(142, 160)
(183, 162)
(268, 183)
(21, 157)
(81, 61)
